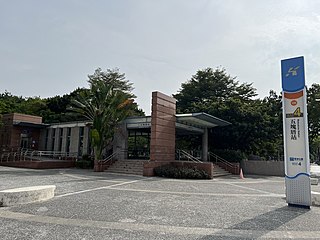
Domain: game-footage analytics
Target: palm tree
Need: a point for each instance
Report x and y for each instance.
(107, 103)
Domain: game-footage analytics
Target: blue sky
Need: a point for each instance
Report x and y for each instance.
(48, 48)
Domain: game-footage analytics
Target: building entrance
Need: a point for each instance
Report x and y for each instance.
(139, 144)
(25, 140)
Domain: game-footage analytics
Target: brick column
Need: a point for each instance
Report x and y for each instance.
(163, 128)
(163, 132)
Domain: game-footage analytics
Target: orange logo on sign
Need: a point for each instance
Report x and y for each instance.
(294, 102)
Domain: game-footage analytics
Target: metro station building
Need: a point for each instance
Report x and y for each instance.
(148, 137)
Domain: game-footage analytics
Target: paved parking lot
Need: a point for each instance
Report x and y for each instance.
(90, 205)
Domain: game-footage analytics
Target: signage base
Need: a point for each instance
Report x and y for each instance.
(298, 206)
(298, 190)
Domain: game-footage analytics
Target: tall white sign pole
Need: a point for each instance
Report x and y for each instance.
(295, 133)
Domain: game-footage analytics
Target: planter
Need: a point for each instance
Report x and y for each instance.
(98, 167)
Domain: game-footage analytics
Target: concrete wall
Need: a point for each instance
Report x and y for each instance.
(74, 137)
(267, 168)
(74, 146)
(120, 141)
(86, 141)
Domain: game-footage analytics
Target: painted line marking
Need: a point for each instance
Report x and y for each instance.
(200, 194)
(74, 176)
(95, 189)
(111, 181)
(213, 181)
(249, 188)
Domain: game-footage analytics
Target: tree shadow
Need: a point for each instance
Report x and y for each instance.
(259, 225)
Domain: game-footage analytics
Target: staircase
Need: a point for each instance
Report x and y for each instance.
(219, 172)
(131, 166)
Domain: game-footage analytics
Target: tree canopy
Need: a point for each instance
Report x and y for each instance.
(256, 123)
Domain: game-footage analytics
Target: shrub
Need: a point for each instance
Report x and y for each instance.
(182, 173)
(86, 162)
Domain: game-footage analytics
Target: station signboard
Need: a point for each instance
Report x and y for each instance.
(295, 129)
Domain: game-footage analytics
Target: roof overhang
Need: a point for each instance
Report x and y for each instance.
(138, 122)
(29, 124)
(201, 120)
(190, 123)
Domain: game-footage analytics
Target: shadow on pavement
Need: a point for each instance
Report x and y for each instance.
(259, 225)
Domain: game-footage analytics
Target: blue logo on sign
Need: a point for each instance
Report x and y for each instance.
(295, 159)
(292, 72)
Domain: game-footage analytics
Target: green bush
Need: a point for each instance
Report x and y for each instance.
(85, 162)
(87, 157)
(182, 173)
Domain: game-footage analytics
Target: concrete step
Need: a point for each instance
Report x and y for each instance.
(125, 171)
(219, 172)
(134, 167)
(128, 165)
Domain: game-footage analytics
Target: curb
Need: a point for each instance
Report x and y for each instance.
(15, 196)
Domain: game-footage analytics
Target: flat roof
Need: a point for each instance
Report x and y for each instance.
(194, 122)
(30, 124)
(201, 120)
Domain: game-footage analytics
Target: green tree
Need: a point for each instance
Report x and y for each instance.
(212, 88)
(255, 122)
(58, 108)
(108, 101)
(314, 120)
(313, 110)
(10, 103)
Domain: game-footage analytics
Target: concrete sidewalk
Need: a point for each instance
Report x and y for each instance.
(92, 205)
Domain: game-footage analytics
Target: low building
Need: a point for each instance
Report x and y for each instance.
(149, 137)
(20, 131)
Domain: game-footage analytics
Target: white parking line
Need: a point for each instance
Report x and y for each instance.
(249, 188)
(95, 189)
(74, 176)
(266, 194)
(222, 181)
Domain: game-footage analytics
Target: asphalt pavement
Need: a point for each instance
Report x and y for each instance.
(89, 205)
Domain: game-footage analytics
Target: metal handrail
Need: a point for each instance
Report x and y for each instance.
(32, 154)
(112, 156)
(220, 159)
(187, 155)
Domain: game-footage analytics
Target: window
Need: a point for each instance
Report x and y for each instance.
(60, 139)
(68, 139)
(53, 138)
(80, 148)
(46, 139)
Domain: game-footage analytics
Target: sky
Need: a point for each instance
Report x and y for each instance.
(48, 48)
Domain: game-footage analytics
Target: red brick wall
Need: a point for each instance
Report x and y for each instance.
(163, 128)
(10, 135)
(40, 164)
